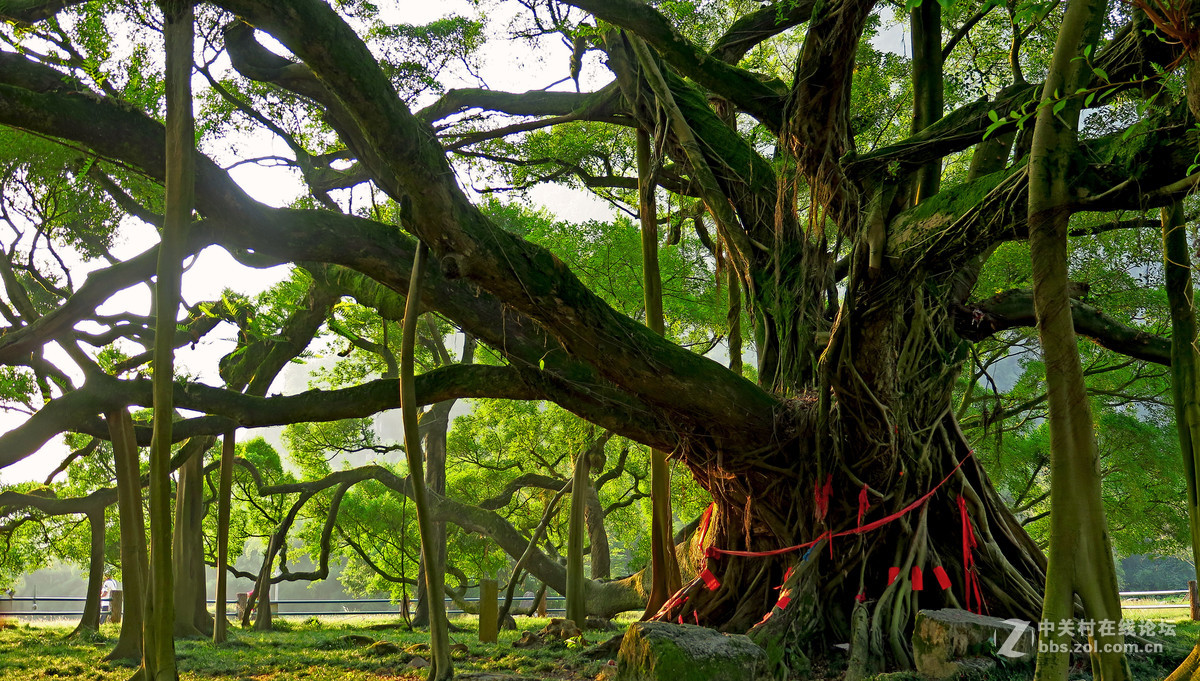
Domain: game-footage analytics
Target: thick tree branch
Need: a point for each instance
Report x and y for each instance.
(1014, 308)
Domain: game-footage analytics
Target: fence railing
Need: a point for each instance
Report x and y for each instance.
(1193, 604)
(9, 604)
(26, 606)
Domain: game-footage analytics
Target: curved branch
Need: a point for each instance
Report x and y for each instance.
(1014, 308)
(759, 25)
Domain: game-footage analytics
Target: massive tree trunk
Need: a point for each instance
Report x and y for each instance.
(856, 362)
(866, 432)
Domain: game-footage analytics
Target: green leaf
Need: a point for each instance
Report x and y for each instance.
(992, 115)
(1062, 104)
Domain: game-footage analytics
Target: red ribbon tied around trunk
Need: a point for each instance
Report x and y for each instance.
(714, 552)
(970, 578)
(864, 504)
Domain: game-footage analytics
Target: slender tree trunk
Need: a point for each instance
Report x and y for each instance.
(191, 611)
(665, 569)
(734, 321)
(1185, 379)
(1185, 383)
(133, 534)
(159, 651)
(598, 550)
(90, 621)
(576, 596)
(434, 422)
(1080, 560)
(439, 636)
(224, 496)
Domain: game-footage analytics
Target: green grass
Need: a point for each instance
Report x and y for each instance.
(317, 650)
(301, 650)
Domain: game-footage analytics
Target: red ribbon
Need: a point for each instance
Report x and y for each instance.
(970, 577)
(893, 574)
(942, 578)
(783, 601)
(822, 494)
(864, 503)
(713, 551)
(710, 580)
(917, 579)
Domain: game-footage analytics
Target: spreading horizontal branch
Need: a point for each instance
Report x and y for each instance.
(1011, 309)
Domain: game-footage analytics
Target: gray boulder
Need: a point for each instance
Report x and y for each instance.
(948, 642)
(661, 651)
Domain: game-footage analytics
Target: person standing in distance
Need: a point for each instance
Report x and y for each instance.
(106, 590)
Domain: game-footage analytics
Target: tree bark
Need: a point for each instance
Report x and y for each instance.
(662, 554)
(1185, 383)
(134, 561)
(439, 638)
(158, 660)
(576, 596)
(435, 422)
(927, 80)
(191, 612)
(90, 621)
(599, 555)
(224, 496)
(1080, 560)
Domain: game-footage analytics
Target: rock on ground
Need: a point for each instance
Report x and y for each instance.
(949, 641)
(661, 651)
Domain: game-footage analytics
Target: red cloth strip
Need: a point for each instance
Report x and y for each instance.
(864, 504)
(942, 578)
(917, 578)
(893, 574)
(821, 494)
(710, 580)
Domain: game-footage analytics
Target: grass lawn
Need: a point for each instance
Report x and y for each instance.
(302, 649)
(316, 650)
